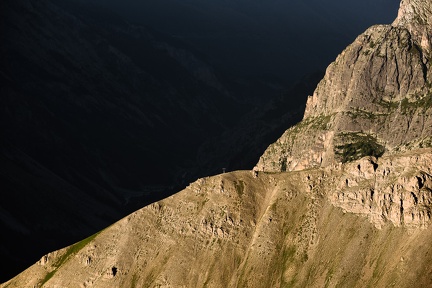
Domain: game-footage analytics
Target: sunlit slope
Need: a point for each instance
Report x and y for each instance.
(267, 230)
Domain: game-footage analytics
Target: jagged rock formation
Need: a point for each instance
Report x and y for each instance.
(355, 211)
(395, 189)
(375, 98)
(415, 15)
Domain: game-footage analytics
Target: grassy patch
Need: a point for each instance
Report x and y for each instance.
(390, 105)
(408, 106)
(421, 143)
(356, 146)
(319, 122)
(150, 278)
(359, 113)
(422, 103)
(134, 281)
(425, 143)
(72, 250)
(283, 164)
(288, 255)
(239, 186)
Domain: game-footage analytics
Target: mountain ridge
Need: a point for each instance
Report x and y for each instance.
(344, 198)
(243, 229)
(377, 93)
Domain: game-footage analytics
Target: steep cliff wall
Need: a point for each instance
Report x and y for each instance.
(375, 98)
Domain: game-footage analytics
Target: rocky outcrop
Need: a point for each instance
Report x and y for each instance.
(395, 189)
(271, 230)
(416, 16)
(375, 98)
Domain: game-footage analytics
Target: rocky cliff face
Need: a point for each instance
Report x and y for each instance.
(354, 211)
(375, 98)
(415, 15)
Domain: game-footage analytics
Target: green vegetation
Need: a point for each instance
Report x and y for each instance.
(319, 122)
(426, 142)
(134, 281)
(424, 102)
(366, 52)
(281, 264)
(288, 257)
(150, 278)
(359, 113)
(72, 250)
(357, 146)
(308, 125)
(201, 204)
(408, 107)
(390, 105)
(417, 143)
(239, 186)
(283, 164)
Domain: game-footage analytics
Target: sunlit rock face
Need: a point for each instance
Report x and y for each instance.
(366, 221)
(375, 98)
(395, 189)
(416, 16)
